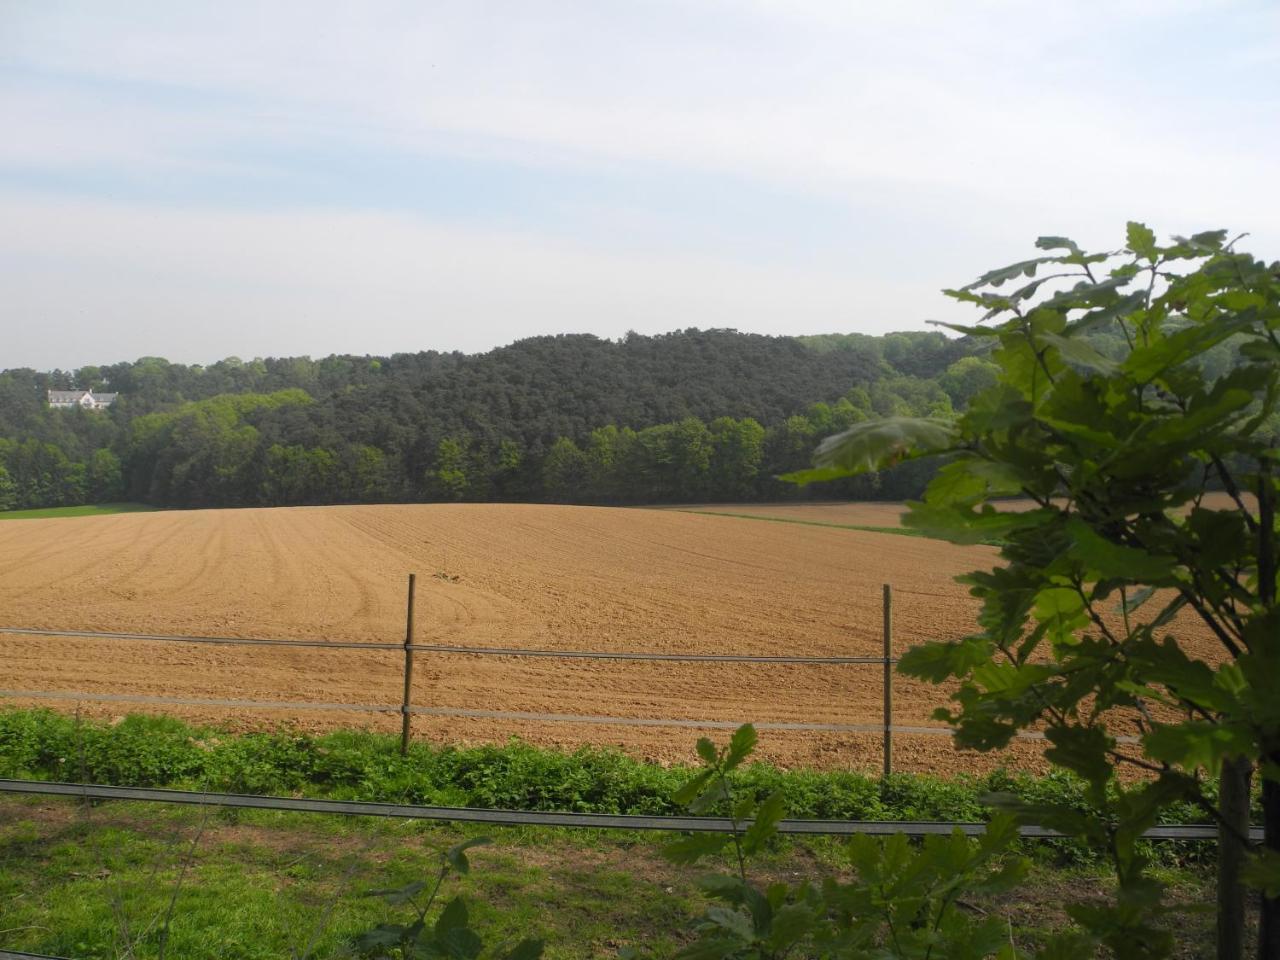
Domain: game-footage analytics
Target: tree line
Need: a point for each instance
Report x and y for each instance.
(682, 417)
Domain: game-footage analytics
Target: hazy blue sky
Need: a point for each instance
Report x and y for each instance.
(200, 180)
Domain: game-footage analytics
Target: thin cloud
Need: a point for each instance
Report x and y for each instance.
(944, 139)
(181, 282)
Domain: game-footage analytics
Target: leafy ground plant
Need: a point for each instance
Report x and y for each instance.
(904, 900)
(449, 936)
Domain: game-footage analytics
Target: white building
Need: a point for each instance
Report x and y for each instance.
(86, 399)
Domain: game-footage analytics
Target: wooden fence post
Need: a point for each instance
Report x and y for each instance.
(888, 679)
(405, 717)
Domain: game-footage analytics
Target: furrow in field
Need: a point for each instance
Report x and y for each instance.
(501, 576)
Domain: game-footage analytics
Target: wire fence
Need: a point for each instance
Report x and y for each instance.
(514, 715)
(886, 728)
(445, 648)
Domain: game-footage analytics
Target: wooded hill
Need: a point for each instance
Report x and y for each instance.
(686, 416)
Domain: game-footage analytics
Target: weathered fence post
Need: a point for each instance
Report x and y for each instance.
(888, 679)
(405, 716)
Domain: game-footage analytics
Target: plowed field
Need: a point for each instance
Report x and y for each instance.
(491, 575)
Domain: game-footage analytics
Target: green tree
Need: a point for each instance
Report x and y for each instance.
(966, 378)
(296, 474)
(89, 378)
(190, 435)
(690, 453)
(860, 400)
(43, 475)
(736, 454)
(920, 353)
(105, 477)
(565, 472)
(788, 447)
(448, 477)
(821, 418)
(1082, 627)
(506, 466)
(608, 451)
(73, 484)
(844, 413)
(370, 475)
(8, 491)
(203, 453)
(909, 397)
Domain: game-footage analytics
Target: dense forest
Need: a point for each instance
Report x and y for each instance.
(686, 416)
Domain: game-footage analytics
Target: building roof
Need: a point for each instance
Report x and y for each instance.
(75, 396)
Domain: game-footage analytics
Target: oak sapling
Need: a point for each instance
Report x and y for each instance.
(904, 900)
(1130, 385)
(450, 934)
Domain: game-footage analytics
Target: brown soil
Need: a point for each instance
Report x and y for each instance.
(493, 575)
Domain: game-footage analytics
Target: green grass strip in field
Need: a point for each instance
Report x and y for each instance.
(899, 531)
(86, 510)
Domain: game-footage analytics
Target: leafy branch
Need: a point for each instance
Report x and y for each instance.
(1118, 403)
(905, 900)
(450, 935)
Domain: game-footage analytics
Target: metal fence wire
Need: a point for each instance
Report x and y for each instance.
(886, 728)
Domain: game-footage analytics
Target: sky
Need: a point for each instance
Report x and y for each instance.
(198, 181)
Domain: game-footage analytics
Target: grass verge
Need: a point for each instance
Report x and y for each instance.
(85, 510)
(96, 881)
(899, 531)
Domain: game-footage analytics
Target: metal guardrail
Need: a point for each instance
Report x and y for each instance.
(597, 821)
(537, 818)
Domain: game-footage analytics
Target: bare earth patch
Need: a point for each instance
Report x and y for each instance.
(498, 575)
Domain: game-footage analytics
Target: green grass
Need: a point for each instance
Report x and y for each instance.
(75, 876)
(86, 510)
(900, 531)
(897, 531)
(84, 881)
